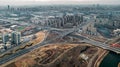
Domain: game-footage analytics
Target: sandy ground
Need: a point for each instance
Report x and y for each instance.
(119, 65)
(40, 37)
(102, 54)
(28, 59)
(48, 54)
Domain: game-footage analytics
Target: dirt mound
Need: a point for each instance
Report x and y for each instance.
(58, 55)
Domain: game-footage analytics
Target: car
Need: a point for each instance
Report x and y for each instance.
(115, 45)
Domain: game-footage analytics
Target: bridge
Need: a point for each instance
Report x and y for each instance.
(96, 43)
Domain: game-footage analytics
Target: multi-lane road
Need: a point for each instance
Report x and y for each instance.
(24, 51)
(64, 33)
(96, 43)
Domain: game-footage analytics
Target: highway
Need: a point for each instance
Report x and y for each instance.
(96, 43)
(24, 51)
(63, 33)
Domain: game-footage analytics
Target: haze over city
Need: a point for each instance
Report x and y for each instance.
(59, 33)
(52, 2)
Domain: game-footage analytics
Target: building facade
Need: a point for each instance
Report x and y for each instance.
(16, 38)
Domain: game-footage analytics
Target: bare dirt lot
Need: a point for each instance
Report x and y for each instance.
(57, 55)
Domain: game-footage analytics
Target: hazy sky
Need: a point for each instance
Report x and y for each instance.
(44, 2)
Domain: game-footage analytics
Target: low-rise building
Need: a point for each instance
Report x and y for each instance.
(116, 32)
(8, 45)
(2, 47)
(84, 56)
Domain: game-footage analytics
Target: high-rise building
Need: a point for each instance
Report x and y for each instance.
(16, 38)
(5, 38)
(8, 7)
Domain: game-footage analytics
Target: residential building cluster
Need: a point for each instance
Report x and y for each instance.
(67, 20)
(9, 40)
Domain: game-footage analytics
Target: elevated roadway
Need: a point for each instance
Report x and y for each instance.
(96, 43)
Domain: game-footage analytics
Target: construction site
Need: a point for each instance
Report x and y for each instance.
(59, 55)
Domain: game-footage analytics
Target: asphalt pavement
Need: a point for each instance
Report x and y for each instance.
(96, 43)
(24, 51)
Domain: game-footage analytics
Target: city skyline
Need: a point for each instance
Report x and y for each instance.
(53, 2)
(59, 33)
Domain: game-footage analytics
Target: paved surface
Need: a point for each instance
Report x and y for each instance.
(24, 51)
(96, 43)
(64, 33)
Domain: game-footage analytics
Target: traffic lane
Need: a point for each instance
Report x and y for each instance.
(99, 44)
